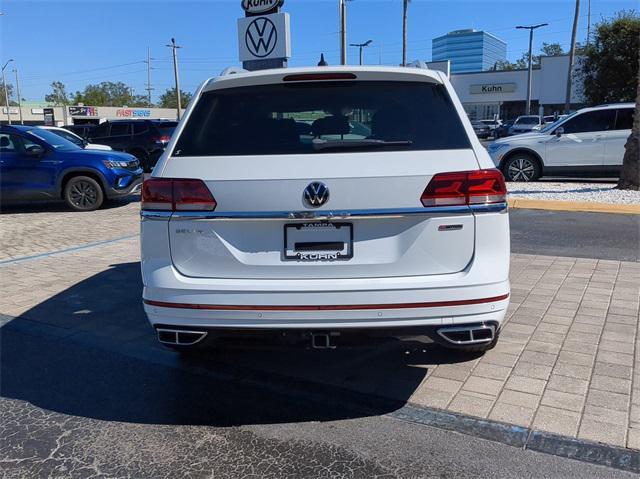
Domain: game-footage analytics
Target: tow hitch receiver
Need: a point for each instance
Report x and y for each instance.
(321, 341)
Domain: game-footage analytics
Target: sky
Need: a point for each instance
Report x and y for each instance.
(80, 42)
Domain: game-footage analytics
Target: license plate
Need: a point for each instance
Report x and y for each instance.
(318, 242)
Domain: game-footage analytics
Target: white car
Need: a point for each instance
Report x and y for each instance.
(252, 222)
(77, 140)
(524, 124)
(587, 142)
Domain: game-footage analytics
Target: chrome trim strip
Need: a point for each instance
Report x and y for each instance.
(328, 214)
(155, 215)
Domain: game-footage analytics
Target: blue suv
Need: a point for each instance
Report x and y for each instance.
(36, 164)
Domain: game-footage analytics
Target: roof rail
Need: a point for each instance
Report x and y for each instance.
(232, 71)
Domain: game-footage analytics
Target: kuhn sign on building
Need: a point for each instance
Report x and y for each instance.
(260, 6)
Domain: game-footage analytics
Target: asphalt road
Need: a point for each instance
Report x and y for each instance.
(71, 410)
(583, 235)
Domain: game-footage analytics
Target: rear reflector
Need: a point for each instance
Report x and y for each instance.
(465, 188)
(170, 194)
(325, 307)
(319, 76)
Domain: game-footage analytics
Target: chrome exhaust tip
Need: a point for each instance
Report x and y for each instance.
(465, 335)
(180, 337)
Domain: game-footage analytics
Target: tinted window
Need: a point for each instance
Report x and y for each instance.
(599, 120)
(624, 120)
(306, 117)
(100, 130)
(7, 143)
(528, 120)
(140, 128)
(118, 129)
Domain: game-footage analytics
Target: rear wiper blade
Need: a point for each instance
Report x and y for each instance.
(319, 144)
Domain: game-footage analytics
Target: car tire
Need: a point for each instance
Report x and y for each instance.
(521, 167)
(83, 193)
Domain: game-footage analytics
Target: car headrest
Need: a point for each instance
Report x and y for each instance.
(331, 125)
(4, 142)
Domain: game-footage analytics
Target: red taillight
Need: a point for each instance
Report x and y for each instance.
(465, 188)
(176, 194)
(164, 139)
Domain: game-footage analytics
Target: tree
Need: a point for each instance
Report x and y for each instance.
(169, 100)
(58, 95)
(630, 174)
(522, 63)
(3, 96)
(609, 64)
(109, 94)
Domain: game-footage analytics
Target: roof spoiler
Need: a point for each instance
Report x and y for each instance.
(232, 71)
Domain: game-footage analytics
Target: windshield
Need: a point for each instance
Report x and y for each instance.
(67, 135)
(54, 141)
(297, 118)
(553, 125)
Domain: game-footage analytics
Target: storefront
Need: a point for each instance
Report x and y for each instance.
(80, 114)
(485, 94)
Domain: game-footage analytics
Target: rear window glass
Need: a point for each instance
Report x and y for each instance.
(322, 118)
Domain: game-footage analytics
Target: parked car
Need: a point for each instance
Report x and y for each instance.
(401, 229)
(81, 130)
(524, 124)
(73, 138)
(37, 164)
(145, 139)
(493, 124)
(547, 120)
(481, 130)
(587, 142)
(503, 130)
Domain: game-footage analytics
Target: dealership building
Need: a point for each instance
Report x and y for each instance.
(483, 94)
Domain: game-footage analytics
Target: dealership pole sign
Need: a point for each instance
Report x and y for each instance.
(264, 37)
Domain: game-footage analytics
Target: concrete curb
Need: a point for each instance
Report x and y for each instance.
(583, 206)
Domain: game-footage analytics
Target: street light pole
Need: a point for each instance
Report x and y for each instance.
(531, 28)
(343, 32)
(361, 46)
(174, 48)
(15, 70)
(6, 92)
(149, 87)
(572, 52)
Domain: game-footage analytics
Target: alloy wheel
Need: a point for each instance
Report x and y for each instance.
(83, 194)
(521, 169)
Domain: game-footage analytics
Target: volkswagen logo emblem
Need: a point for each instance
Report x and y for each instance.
(315, 194)
(261, 37)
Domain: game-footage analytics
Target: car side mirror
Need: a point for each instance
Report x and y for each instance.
(35, 151)
(559, 132)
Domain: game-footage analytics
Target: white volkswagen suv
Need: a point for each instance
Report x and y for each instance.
(587, 142)
(318, 202)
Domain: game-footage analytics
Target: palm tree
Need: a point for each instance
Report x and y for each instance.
(404, 32)
(630, 174)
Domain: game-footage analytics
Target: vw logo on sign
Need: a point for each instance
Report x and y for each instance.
(261, 37)
(315, 194)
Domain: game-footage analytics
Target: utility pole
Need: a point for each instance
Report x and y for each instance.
(15, 70)
(588, 21)
(531, 28)
(572, 52)
(361, 46)
(404, 31)
(174, 48)
(6, 92)
(343, 32)
(149, 88)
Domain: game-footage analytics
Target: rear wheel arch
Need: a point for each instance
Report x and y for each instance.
(531, 154)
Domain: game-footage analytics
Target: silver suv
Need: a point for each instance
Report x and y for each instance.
(587, 142)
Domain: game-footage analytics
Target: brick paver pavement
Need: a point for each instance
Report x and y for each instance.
(567, 361)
